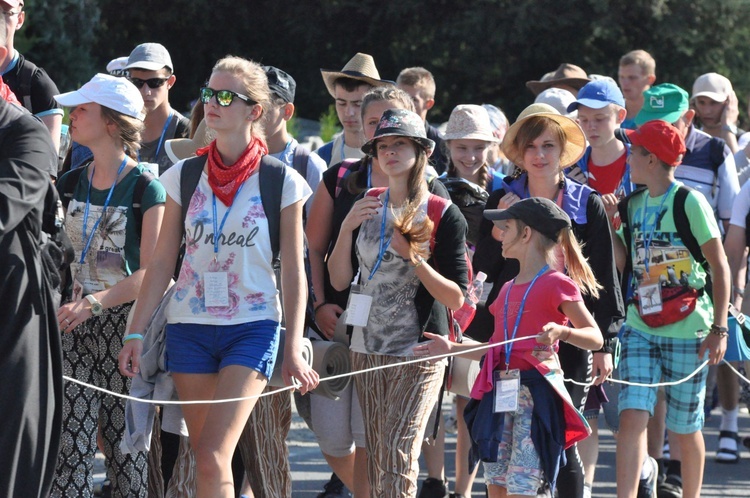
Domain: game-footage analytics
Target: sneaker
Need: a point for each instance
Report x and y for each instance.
(434, 488)
(670, 489)
(647, 485)
(334, 488)
(728, 451)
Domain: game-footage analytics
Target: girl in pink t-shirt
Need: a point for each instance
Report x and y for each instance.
(538, 303)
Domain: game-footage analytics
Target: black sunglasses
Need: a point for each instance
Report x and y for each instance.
(223, 97)
(151, 82)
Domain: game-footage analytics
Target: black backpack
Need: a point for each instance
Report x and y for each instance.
(271, 179)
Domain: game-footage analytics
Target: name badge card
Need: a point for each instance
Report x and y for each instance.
(650, 299)
(358, 307)
(216, 289)
(507, 388)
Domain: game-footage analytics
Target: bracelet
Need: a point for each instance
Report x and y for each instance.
(738, 291)
(132, 337)
(419, 262)
(567, 336)
(719, 330)
(315, 309)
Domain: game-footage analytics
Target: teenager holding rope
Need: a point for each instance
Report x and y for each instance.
(386, 238)
(223, 329)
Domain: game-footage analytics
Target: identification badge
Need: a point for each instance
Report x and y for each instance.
(77, 294)
(507, 388)
(216, 289)
(649, 297)
(358, 307)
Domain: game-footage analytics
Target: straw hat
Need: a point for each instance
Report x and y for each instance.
(182, 148)
(469, 122)
(360, 67)
(573, 148)
(567, 74)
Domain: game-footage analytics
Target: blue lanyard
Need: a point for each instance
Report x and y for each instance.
(647, 238)
(161, 139)
(219, 229)
(369, 174)
(383, 243)
(509, 347)
(104, 208)
(343, 141)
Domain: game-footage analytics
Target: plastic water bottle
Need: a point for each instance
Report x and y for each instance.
(466, 313)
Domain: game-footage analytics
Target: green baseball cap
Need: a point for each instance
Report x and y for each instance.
(667, 102)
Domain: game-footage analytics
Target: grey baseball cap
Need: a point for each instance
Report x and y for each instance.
(150, 57)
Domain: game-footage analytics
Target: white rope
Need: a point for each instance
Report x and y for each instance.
(383, 367)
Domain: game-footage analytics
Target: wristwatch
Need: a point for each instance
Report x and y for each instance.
(96, 306)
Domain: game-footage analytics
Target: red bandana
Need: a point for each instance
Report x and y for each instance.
(226, 180)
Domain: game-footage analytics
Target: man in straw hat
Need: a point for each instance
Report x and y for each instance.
(568, 77)
(347, 87)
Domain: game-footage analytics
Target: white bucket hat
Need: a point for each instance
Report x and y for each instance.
(108, 91)
(469, 122)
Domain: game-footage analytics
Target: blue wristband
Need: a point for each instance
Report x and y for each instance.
(131, 337)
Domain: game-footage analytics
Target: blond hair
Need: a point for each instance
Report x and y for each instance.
(419, 78)
(253, 80)
(642, 59)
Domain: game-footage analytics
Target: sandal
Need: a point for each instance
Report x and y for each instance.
(728, 451)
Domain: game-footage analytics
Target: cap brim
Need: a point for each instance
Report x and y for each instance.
(471, 136)
(538, 87)
(593, 104)
(429, 145)
(717, 97)
(329, 77)
(72, 99)
(498, 214)
(670, 117)
(147, 66)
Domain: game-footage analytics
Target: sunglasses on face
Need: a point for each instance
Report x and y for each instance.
(151, 82)
(223, 97)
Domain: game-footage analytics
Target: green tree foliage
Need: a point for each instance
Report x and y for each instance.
(479, 50)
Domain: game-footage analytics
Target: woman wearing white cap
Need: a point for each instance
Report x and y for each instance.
(542, 142)
(223, 318)
(112, 251)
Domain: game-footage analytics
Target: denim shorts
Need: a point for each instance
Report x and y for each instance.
(649, 359)
(203, 349)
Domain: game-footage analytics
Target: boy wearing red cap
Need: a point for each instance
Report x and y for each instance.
(671, 327)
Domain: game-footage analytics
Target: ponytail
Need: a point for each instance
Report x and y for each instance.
(578, 268)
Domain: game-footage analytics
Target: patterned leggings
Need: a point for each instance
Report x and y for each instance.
(90, 355)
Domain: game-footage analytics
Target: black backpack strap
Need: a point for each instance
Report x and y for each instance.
(622, 208)
(25, 75)
(300, 160)
(189, 177)
(71, 182)
(682, 224)
(271, 180)
(716, 153)
(141, 184)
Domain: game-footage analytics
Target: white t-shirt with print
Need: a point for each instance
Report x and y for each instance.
(244, 252)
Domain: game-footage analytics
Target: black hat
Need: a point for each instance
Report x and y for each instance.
(539, 213)
(281, 84)
(400, 123)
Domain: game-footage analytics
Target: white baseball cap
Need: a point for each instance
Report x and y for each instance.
(112, 92)
(712, 85)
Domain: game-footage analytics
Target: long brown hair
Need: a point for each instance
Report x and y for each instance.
(128, 130)
(416, 230)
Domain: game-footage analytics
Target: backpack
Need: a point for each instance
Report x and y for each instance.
(271, 182)
(471, 199)
(25, 75)
(436, 206)
(141, 184)
(56, 249)
(682, 225)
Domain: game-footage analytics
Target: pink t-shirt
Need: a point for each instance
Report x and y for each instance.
(542, 306)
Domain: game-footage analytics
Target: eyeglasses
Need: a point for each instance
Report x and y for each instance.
(151, 82)
(223, 97)
(10, 13)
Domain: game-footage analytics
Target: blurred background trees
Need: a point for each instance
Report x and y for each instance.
(479, 50)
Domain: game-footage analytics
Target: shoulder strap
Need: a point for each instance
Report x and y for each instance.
(271, 180)
(436, 206)
(622, 208)
(299, 163)
(344, 170)
(71, 182)
(141, 184)
(716, 153)
(682, 224)
(25, 76)
(189, 177)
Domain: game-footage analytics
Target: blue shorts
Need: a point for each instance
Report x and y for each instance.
(649, 359)
(203, 349)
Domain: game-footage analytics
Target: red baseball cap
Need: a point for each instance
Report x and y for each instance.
(659, 138)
